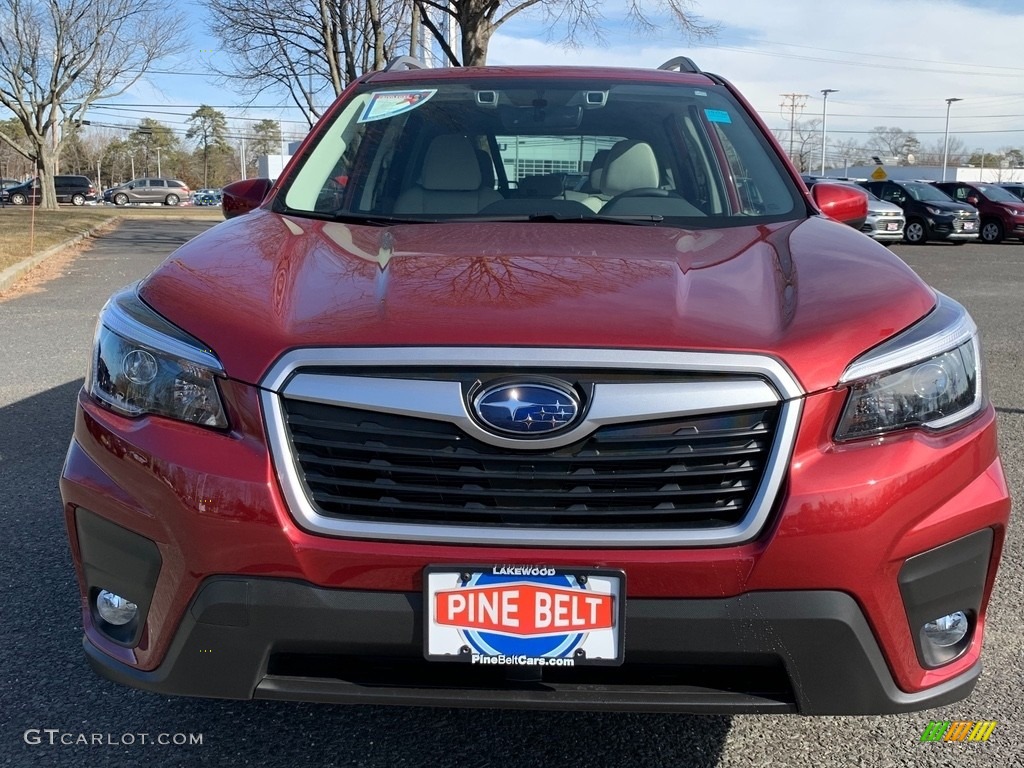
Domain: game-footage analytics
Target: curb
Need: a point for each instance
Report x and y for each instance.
(15, 272)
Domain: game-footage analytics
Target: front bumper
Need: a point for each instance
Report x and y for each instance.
(764, 652)
(877, 228)
(952, 229)
(814, 603)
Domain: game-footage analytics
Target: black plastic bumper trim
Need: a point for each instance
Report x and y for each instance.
(820, 639)
(119, 561)
(943, 580)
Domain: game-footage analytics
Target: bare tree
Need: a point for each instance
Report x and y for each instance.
(931, 154)
(568, 20)
(846, 152)
(307, 48)
(806, 143)
(57, 57)
(892, 142)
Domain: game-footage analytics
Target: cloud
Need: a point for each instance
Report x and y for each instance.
(894, 62)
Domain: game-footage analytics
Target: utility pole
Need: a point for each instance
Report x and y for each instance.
(793, 102)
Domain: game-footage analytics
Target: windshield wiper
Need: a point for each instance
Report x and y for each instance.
(645, 220)
(378, 220)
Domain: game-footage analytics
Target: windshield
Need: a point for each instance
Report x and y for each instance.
(556, 149)
(926, 193)
(997, 194)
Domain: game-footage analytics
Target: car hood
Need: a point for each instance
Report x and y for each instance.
(876, 207)
(949, 205)
(813, 293)
(1017, 208)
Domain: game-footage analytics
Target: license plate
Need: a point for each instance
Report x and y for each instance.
(509, 615)
(892, 226)
(968, 225)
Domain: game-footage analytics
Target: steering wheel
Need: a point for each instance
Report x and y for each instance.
(643, 192)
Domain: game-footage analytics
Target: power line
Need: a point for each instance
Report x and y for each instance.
(862, 54)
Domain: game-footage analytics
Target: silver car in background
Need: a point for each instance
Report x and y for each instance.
(885, 221)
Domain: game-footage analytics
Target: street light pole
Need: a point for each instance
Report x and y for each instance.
(824, 121)
(945, 141)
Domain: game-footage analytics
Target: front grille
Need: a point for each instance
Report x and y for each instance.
(685, 473)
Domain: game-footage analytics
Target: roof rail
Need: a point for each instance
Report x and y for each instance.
(681, 64)
(404, 63)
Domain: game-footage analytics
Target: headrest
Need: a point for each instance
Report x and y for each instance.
(450, 164)
(631, 165)
(597, 169)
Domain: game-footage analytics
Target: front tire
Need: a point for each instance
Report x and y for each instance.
(18, 199)
(916, 233)
(78, 199)
(121, 199)
(992, 232)
(171, 200)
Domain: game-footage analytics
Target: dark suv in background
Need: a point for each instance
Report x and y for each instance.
(931, 213)
(166, 191)
(1002, 213)
(76, 190)
(1016, 188)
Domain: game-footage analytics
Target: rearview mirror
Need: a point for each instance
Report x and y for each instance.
(243, 196)
(551, 118)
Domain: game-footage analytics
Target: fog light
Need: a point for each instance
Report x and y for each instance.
(948, 630)
(115, 609)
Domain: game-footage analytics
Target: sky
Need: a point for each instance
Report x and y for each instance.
(891, 62)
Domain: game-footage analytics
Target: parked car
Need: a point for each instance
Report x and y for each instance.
(206, 197)
(884, 222)
(1015, 188)
(5, 183)
(77, 190)
(931, 213)
(147, 190)
(404, 438)
(1002, 214)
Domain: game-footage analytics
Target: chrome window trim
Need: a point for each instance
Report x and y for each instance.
(443, 400)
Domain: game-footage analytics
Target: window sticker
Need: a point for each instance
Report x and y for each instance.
(700, 93)
(390, 103)
(717, 116)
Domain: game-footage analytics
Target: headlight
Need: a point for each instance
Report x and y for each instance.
(141, 363)
(936, 211)
(928, 376)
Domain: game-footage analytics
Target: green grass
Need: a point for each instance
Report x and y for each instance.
(26, 231)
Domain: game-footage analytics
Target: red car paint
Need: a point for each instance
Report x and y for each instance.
(809, 293)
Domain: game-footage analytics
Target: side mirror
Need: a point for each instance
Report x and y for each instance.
(841, 202)
(243, 196)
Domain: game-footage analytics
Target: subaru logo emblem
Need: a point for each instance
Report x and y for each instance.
(526, 408)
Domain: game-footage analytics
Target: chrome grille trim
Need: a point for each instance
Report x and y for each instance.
(410, 396)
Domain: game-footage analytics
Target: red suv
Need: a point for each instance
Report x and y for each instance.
(1002, 212)
(417, 429)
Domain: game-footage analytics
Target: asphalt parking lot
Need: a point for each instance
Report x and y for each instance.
(49, 696)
